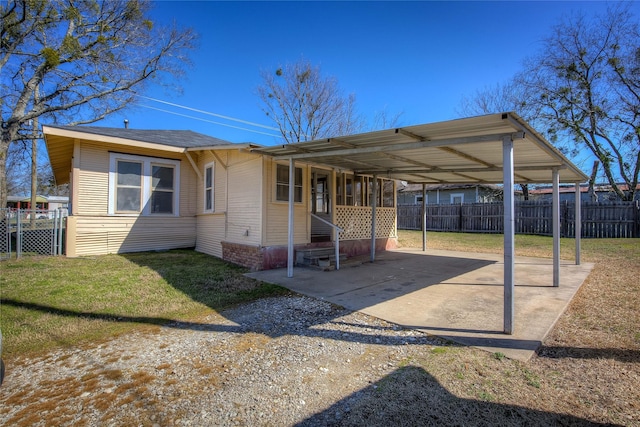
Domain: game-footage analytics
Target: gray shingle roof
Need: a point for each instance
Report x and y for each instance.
(173, 138)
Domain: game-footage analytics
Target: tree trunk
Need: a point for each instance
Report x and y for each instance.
(34, 166)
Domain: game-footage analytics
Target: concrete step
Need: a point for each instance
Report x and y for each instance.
(318, 257)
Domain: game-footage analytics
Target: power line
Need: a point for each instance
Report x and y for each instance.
(210, 114)
(210, 121)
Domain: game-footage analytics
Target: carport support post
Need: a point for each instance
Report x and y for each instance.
(292, 176)
(374, 202)
(424, 217)
(509, 251)
(556, 227)
(578, 222)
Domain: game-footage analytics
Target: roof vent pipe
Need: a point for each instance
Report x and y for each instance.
(126, 124)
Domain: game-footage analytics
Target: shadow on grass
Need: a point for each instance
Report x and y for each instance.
(386, 403)
(382, 403)
(285, 324)
(619, 354)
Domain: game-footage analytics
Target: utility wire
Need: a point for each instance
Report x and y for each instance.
(210, 114)
(210, 121)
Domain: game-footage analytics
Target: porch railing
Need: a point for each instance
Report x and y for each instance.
(336, 237)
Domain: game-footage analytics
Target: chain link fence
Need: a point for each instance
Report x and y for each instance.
(28, 232)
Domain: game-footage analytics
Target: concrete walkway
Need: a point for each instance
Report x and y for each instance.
(454, 295)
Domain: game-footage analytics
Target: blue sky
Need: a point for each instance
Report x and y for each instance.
(418, 58)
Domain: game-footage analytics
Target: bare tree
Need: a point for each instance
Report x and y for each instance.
(585, 86)
(498, 99)
(305, 105)
(383, 119)
(85, 57)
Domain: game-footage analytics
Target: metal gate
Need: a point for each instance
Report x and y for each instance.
(27, 232)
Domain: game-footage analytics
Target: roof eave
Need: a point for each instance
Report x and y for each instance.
(47, 130)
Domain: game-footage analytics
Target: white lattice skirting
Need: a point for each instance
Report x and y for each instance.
(356, 222)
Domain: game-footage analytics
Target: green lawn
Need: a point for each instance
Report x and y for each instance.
(48, 302)
(56, 301)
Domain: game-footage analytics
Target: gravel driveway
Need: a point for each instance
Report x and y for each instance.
(282, 361)
(277, 361)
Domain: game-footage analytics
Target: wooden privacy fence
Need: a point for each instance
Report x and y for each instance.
(599, 219)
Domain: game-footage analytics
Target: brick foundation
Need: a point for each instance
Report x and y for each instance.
(244, 255)
(270, 257)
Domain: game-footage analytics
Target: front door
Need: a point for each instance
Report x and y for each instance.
(320, 206)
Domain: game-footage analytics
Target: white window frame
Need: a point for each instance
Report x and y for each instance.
(275, 184)
(454, 195)
(212, 188)
(145, 197)
(418, 199)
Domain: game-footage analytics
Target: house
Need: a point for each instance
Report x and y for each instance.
(411, 194)
(601, 193)
(139, 190)
(24, 202)
(49, 203)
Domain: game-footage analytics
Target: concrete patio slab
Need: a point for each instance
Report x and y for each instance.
(454, 295)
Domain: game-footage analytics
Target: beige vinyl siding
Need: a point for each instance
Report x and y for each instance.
(93, 197)
(244, 198)
(219, 182)
(276, 218)
(237, 201)
(211, 226)
(97, 232)
(112, 234)
(93, 180)
(211, 231)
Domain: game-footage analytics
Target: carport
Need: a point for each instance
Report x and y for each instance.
(492, 149)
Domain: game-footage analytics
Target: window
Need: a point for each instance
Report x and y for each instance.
(457, 198)
(143, 185)
(344, 187)
(128, 186)
(418, 200)
(282, 184)
(208, 188)
(357, 191)
(161, 189)
(388, 193)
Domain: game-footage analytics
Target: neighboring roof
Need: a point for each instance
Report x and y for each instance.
(60, 140)
(598, 188)
(410, 188)
(457, 151)
(39, 199)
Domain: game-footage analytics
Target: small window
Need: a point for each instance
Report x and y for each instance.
(282, 184)
(388, 195)
(349, 190)
(208, 188)
(128, 186)
(457, 198)
(162, 189)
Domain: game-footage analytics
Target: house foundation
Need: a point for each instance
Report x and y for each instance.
(258, 258)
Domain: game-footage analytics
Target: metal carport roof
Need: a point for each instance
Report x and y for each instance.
(496, 148)
(465, 150)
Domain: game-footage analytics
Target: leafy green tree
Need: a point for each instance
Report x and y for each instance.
(87, 59)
